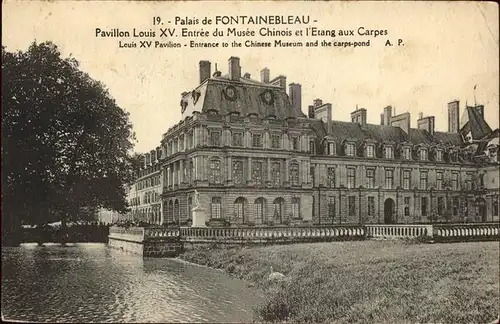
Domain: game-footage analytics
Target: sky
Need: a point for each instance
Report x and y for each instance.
(449, 47)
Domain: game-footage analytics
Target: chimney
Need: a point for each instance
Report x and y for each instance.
(205, 70)
(234, 68)
(295, 94)
(279, 81)
(264, 75)
(310, 111)
(426, 123)
(317, 102)
(153, 156)
(453, 116)
(148, 159)
(387, 115)
(402, 121)
(359, 116)
(420, 115)
(246, 75)
(323, 112)
(144, 161)
(382, 119)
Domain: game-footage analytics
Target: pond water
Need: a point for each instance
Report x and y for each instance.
(93, 283)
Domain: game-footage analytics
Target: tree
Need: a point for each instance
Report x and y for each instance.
(65, 141)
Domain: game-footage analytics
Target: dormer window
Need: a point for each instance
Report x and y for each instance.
(370, 151)
(350, 149)
(331, 148)
(406, 153)
(439, 155)
(388, 152)
(423, 154)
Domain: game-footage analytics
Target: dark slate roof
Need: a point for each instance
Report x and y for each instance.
(249, 99)
(341, 130)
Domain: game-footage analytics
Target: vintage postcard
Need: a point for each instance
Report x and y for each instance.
(250, 161)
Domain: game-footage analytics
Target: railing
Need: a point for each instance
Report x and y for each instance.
(398, 231)
(467, 231)
(270, 234)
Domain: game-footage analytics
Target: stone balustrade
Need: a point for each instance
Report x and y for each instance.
(464, 232)
(398, 231)
(270, 234)
(162, 241)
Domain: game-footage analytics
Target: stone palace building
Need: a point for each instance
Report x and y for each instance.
(255, 158)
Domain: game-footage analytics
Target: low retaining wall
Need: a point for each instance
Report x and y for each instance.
(169, 242)
(148, 242)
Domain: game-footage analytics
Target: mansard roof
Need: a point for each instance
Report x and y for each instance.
(340, 130)
(245, 96)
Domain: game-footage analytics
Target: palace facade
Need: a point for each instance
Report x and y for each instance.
(255, 158)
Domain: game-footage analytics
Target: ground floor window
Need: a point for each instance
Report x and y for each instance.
(352, 205)
(295, 207)
(216, 207)
(371, 206)
(407, 206)
(331, 208)
(424, 206)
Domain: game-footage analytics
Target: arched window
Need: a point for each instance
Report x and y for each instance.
(177, 212)
(171, 210)
(278, 210)
(295, 207)
(259, 209)
(239, 208)
(215, 171)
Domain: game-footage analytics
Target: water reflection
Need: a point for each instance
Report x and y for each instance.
(91, 283)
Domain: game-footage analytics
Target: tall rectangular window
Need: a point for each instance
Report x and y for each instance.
(468, 181)
(215, 171)
(238, 172)
(331, 148)
(388, 152)
(257, 140)
(423, 180)
(214, 138)
(331, 208)
(441, 206)
(439, 155)
(276, 174)
(350, 150)
(257, 172)
(294, 174)
(295, 143)
(389, 178)
(351, 178)
(370, 178)
(424, 205)
(216, 207)
(406, 153)
(275, 141)
(311, 148)
(423, 154)
(370, 151)
(439, 180)
(371, 206)
(454, 181)
(181, 143)
(406, 179)
(238, 139)
(407, 206)
(331, 178)
(456, 205)
(295, 207)
(352, 205)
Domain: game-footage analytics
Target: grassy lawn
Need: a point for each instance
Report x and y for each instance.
(368, 281)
